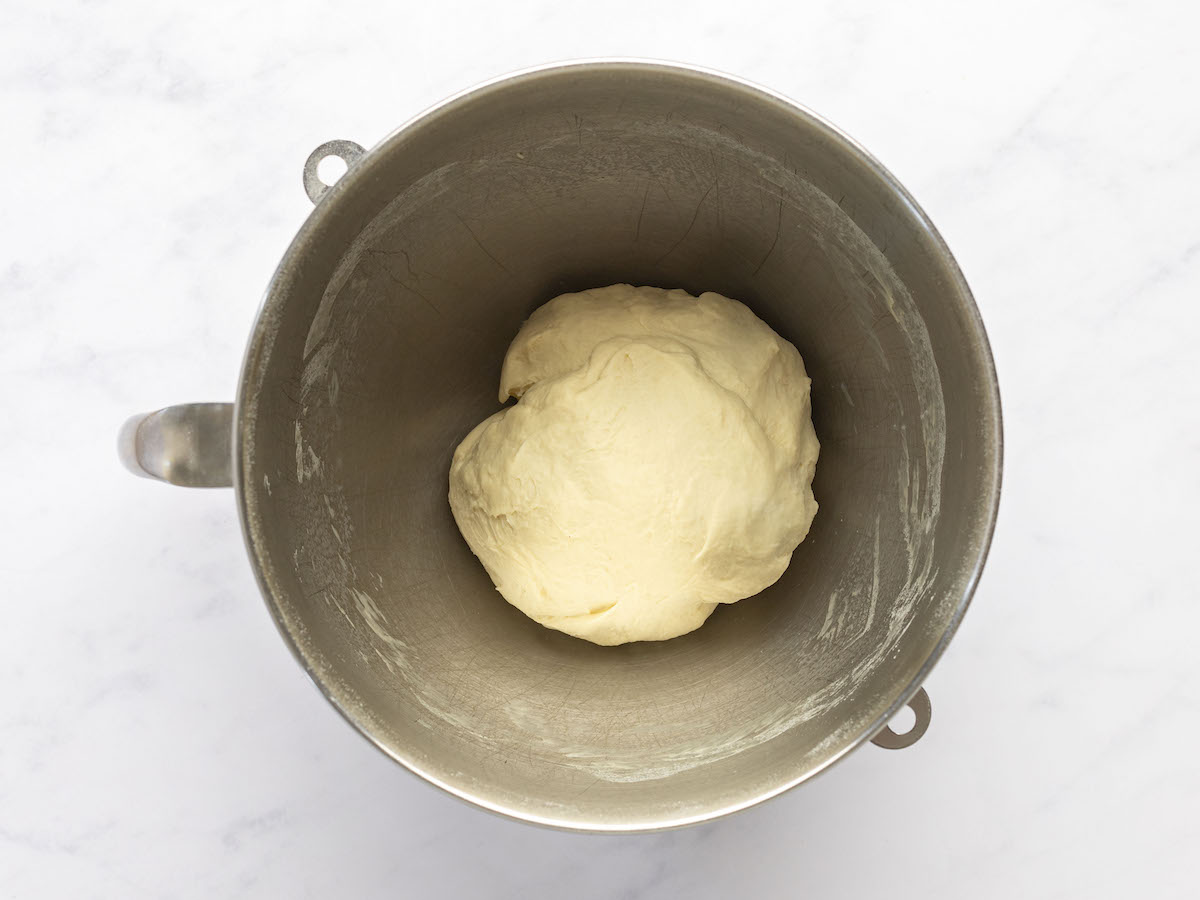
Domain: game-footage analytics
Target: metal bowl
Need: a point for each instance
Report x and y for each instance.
(379, 346)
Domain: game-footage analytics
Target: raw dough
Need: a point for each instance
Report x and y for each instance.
(659, 462)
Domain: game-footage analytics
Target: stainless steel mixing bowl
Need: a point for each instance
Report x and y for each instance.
(379, 346)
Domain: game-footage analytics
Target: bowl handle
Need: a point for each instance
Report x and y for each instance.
(347, 151)
(890, 740)
(189, 445)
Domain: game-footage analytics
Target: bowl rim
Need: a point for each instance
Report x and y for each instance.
(254, 360)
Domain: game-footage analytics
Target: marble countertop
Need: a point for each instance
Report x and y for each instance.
(156, 737)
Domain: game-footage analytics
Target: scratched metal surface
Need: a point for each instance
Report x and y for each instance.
(380, 347)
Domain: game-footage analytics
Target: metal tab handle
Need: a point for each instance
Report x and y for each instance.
(189, 445)
(347, 151)
(923, 710)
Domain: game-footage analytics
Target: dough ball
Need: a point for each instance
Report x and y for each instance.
(659, 462)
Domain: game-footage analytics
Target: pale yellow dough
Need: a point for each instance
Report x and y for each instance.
(659, 462)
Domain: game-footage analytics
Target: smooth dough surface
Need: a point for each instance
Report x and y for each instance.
(659, 462)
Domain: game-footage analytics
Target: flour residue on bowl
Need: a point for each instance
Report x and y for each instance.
(858, 612)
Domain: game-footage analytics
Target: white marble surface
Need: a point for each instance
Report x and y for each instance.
(157, 739)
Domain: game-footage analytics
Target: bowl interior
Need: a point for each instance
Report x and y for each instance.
(380, 346)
